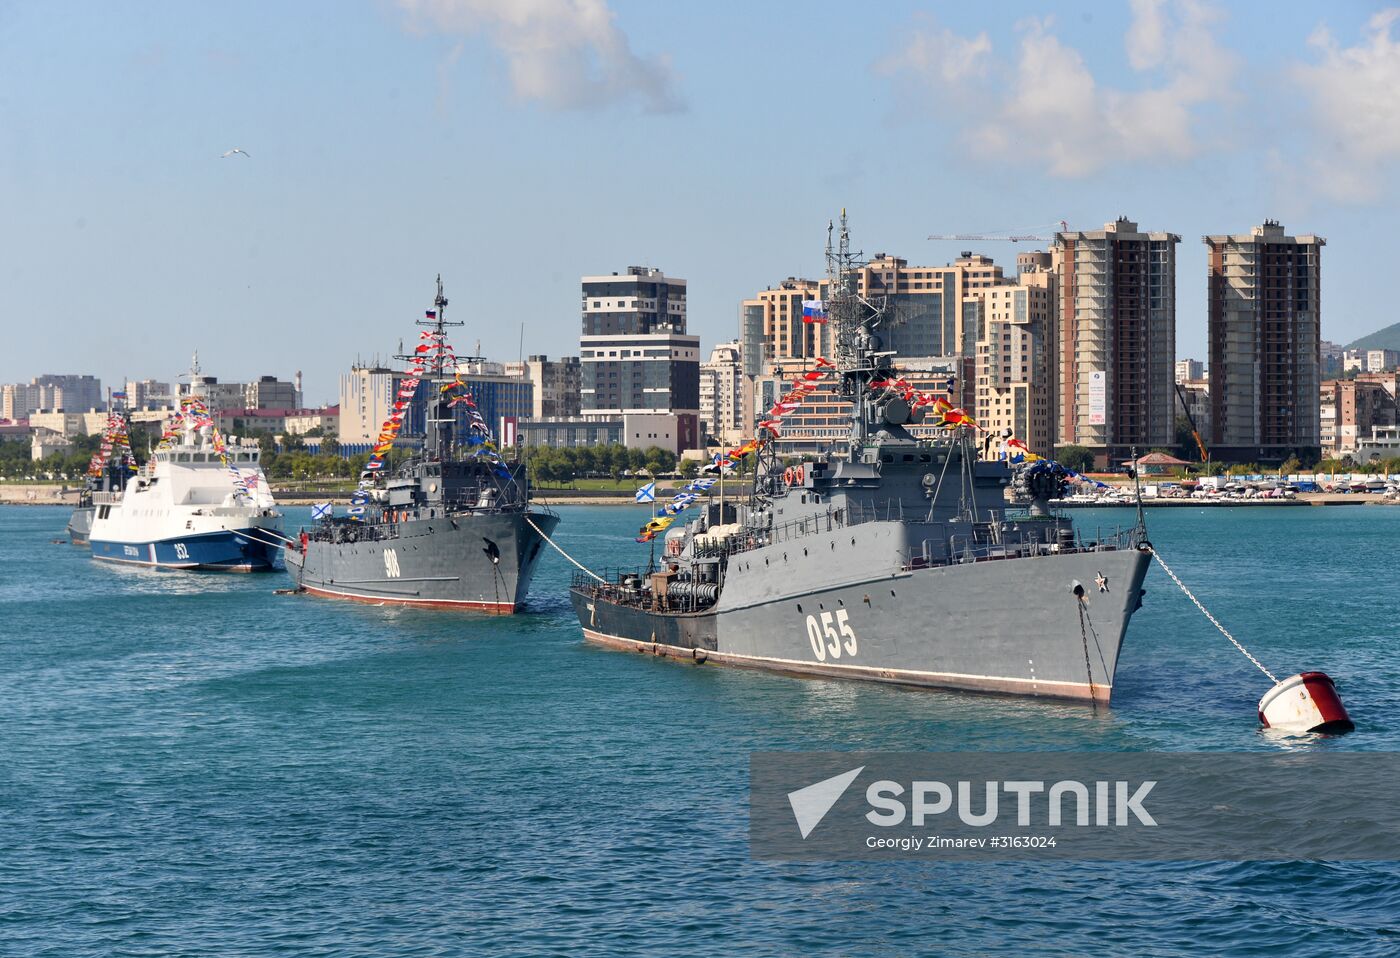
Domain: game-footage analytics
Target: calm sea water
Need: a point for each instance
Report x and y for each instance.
(190, 764)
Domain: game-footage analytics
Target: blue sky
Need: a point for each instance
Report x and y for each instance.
(516, 146)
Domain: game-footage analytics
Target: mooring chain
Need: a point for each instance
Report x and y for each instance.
(1213, 620)
(1088, 669)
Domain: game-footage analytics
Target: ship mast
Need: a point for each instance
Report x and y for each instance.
(851, 318)
(438, 436)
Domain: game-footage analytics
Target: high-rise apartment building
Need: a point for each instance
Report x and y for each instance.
(1265, 343)
(1116, 340)
(18, 400)
(68, 392)
(635, 355)
(1014, 385)
(366, 396)
(929, 311)
(722, 387)
(775, 316)
(556, 384)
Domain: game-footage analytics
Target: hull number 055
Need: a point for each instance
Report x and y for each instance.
(831, 635)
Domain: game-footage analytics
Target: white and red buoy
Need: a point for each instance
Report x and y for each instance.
(1306, 702)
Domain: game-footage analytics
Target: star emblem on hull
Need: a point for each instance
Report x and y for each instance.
(1101, 581)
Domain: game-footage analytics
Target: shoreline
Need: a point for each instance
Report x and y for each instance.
(50, 496)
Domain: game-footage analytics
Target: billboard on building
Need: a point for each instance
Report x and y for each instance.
(1098, 397)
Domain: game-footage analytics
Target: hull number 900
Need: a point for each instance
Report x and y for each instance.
(831, 635)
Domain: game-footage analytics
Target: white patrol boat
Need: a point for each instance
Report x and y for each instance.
(198, 503)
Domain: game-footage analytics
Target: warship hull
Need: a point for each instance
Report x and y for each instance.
(483, 562)
(1047, 626)
(80, 525)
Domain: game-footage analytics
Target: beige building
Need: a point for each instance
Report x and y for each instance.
(68, 424)
(366, 393)
(18, 400)
(1116, 339)
(778, 310)
(930, 311)
(933, 310)
(1014, 386)
(1265, 343)
(44, 442)
(301, 421)
(722, 394)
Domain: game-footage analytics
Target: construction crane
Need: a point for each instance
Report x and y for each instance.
(1001, 236)
(1195, 433)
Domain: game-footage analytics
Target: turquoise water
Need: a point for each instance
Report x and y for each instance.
(193, 765)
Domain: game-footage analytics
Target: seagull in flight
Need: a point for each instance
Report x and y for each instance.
(225, 156)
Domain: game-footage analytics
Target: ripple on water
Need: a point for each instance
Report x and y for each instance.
(196, 765)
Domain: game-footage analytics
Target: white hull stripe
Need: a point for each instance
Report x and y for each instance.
(395, 600)
(872, 673)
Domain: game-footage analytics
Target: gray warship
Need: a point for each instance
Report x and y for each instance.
(889, 558)
(452, 527)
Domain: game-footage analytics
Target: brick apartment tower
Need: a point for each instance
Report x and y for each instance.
(1265, 344)
(1116, 340)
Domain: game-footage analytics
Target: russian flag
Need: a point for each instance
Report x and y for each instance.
(813, 311)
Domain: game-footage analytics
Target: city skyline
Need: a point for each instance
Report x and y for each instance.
(515, 152)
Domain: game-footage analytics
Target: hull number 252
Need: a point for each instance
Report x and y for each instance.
(831, 635)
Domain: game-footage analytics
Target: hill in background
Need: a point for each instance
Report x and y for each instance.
(1388, 338)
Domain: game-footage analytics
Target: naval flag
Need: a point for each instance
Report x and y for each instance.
(322, 510)
(647, 493)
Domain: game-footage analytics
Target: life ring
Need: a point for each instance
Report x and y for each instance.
(787, 475)
(797, 475)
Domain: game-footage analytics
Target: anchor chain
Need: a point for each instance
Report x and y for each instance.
(1088, 669)
(1213, 620)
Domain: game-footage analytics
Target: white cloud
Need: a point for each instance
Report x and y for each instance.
(1355, 97)
(939, 55)
(567, 54)
(1052, 110)
(1147, 36)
